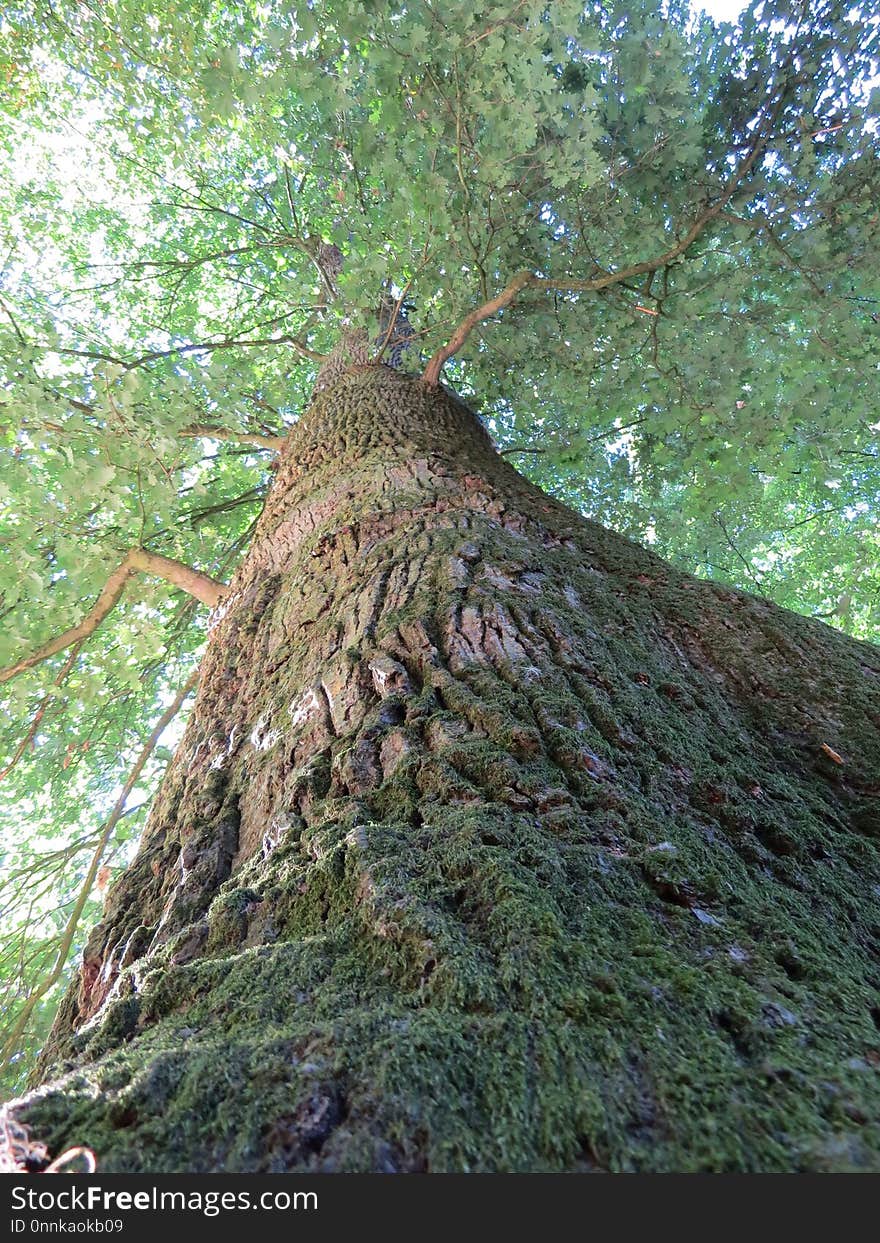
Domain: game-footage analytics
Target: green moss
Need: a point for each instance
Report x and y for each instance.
(228, 917)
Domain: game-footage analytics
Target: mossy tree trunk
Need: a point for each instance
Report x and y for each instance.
(493, 843)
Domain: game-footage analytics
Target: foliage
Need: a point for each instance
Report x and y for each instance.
(176, 179)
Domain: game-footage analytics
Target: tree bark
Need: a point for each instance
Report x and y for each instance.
(494, 843)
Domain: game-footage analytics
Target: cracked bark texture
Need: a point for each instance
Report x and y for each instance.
(494, 843)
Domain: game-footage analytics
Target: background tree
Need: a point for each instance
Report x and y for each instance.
(638, 242)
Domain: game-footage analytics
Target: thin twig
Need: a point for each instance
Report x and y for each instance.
(38, 715)
(21, 1022)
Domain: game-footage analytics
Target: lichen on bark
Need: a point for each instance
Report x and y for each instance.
(494, 843)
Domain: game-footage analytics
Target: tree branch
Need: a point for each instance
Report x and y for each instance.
(69, 932)
(275, 443)
(202, 347)
(38, 716)
(193, 582)
(202, 586)
(431, 374)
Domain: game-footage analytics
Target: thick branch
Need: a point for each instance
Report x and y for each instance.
(193, 582)
(202, 586)
(431, 374)
(275, 443)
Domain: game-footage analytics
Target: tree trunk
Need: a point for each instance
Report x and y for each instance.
(494, 843)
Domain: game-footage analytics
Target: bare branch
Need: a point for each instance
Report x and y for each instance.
(392, 325)
(275, 443)
(18, 332)
(745, 561)
(202, 586)
(193, 582)
(231, 343)
(431, 374)
(21, 1022)
(195, 348)
(211, 432)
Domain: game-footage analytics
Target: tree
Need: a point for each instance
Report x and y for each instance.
(494, 841)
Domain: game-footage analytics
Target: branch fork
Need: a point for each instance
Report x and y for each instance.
(204, 588)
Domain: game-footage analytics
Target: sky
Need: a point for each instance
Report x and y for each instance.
(721, 10)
